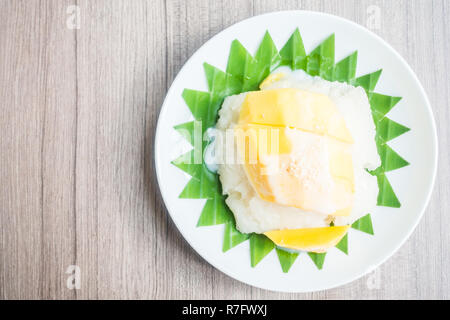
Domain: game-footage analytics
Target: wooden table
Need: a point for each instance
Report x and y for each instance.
(79, 104)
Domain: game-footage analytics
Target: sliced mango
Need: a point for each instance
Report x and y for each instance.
(343, 212)
(308, 239)
(296, 150)
(279, 174)
(294, 108)
(254, 141)
(271, 79)
(341, 162)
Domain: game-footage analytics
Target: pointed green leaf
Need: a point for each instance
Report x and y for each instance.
(320, 62)
(267, 58)
(345, 70)
(368, 81)
(238, 60)
(198, 102)
(203, 106)
(388, 129)
(251, 70)
(293, 53)
(382, 103)
(386, 195)
(317, 258)
(215, 212)
(343, 244)
(377, 116)
(364, 224)
(204, 187)
(220, 83)
(232, 237)
(260, 246)
(187, 131)
(215, 77)
(192, 131)
(286, 259)
(186, 162)
(390, 160)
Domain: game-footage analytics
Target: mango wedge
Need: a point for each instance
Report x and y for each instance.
(309, 239)
(297, 150)
(294, 108)
(271, 79)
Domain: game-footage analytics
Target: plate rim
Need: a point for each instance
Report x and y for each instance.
(411, 73)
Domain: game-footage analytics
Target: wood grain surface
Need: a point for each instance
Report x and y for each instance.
(78, 114)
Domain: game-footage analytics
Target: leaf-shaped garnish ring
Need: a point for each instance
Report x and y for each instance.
(245, 72)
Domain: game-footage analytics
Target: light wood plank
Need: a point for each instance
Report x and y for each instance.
(37, 150)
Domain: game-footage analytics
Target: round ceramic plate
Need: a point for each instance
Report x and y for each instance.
(412, 184)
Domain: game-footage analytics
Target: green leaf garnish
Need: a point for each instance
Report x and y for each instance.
(267, 58)
(345, 70)
(186, 162)
(286, 259)
(343, 244)
(368, 81)
(388, 129)
(187, 130)
(293, 53)
(317, 258)
(386, 195)
(260, 246)
(381, 103)
(221, 84)
(364, 224)
(390, 160)
(203, 188)
(215, 212)
(232, 237)
(320, 62)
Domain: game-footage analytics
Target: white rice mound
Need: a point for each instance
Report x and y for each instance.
(253, 214)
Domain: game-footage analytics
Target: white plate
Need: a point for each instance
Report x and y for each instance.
(412, 184)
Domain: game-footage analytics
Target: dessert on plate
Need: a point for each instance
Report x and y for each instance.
(297, 168)
(296, 149)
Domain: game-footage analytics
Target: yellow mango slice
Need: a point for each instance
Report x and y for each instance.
(255, 142)
(271, 79)
(279, 174)
(343, 212)
(308, 239)
(296, 150)
(294, 108)
(342, 196)
(341, 162)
